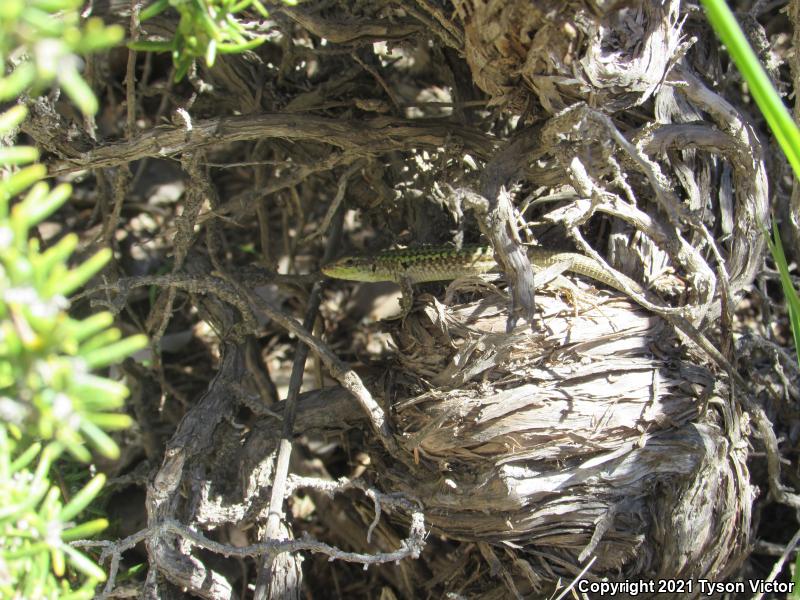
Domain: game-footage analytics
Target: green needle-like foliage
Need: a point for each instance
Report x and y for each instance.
(36, 526)
(42, 39)
(47, 390)
(50, 401)
(205, 28)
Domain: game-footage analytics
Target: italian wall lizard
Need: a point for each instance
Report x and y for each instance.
(421, 265)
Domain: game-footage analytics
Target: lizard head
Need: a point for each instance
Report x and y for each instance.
(355, 268)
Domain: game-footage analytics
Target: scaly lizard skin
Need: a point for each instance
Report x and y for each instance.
(421, 265)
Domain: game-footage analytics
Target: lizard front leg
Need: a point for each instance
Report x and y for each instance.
(406, 299)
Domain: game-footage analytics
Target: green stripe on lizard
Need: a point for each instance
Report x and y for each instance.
(421, 265)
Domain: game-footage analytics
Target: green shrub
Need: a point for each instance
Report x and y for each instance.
(204, 29)
(50, 401)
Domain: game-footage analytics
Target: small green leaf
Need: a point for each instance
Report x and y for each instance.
(19, 80)
(18, 155)
(99, 392)
(100, 439)
(20, 225)
(30, 550)
(11, 10)
(151, 46)
(51, 452)
(35, 195)
(156, 8)
(24, 459)
(57, 255)
(44, 22)
(82, 330)
(110, 421)
(59, 564)
(116, 352)
(208, 25)
(5, 454)
(236, 48)
(22, 180)
(84, 530)
(109, 336)
(182, 67)
(264, 12)
(12, 118)
(76, 448)
(57, 5)
(37, 209)
(35, 495)
(85, 593)
(84, 564)
(82, 499)
(239, 6)
(78, 90)
(211, 53)
(78, 276)
(98, 36)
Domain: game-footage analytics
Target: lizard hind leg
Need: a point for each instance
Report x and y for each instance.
(554, 273)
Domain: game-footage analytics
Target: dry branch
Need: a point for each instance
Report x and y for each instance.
(591, 441)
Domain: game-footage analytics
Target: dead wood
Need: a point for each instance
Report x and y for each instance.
(487, 457)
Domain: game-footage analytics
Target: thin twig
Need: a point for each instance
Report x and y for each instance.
(334, 207)
(369, 137)
(130, 72)
(778, 566)
(348, 378)
(275, 512)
